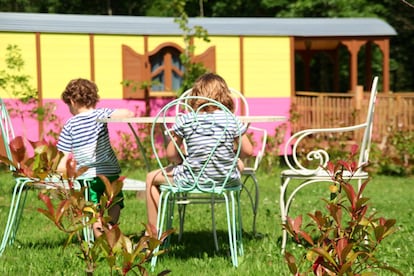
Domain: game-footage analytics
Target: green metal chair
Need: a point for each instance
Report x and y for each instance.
(22, 185)
(200, 187)
(241, 107)
(17, 202)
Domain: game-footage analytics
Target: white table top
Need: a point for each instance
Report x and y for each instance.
(150, 120)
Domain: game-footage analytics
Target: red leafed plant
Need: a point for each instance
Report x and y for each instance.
(68, 209)
(342, 240)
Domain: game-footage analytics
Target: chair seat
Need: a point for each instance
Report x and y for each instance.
(133, 185)
(321, 174)
(217, 190)
(248, 170)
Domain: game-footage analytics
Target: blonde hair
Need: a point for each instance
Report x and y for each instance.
(214, 87)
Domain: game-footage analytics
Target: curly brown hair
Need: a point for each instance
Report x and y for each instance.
(211, 86)
(82, 92)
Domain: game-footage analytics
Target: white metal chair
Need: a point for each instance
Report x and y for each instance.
(201, 187)
(298, 171)
(22, 184)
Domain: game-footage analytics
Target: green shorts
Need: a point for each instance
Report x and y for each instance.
(97, 189)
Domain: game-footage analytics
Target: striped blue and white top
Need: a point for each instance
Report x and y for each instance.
(88, 141)
(202, 132)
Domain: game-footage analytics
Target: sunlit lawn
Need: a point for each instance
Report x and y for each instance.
(38, 248)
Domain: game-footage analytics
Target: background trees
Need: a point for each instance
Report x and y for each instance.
(399, 14)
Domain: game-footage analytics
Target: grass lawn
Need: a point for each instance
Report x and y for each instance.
(38, 247)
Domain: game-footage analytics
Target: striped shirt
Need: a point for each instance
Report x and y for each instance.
(203, 132)
(88, 141)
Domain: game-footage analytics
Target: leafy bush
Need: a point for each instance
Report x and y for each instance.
(71, 212)
(395, 154)
(344, 240)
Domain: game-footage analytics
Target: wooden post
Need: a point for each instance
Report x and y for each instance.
(359, 97)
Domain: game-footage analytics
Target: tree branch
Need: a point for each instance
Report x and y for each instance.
(408, 4)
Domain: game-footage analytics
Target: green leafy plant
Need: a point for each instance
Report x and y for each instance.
(344, 240)
(395, 154)
(192, 70)
(69, 210)
(17, 85)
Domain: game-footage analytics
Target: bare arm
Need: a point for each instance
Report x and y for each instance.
(62, 164)
(172, 152)
(122, 113)
(246, 148)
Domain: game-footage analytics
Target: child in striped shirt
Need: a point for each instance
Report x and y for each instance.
(214, 87)
(87, 140)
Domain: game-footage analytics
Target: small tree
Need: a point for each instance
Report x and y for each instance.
(67, 207)
(192, 70)
(345, 239)
(17, 84)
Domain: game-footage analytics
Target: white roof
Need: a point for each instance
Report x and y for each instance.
(226, 26)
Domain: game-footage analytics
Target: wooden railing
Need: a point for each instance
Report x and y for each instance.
(394, 111)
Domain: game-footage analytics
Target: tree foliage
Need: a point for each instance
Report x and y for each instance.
(399, 14)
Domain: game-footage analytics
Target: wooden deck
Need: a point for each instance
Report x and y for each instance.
(394, 111)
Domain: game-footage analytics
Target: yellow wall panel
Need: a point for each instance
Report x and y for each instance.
(267, 67)
(64, 57)
(108, 62)
(27, 45)
(227, 59)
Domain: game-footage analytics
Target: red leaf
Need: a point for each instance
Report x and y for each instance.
(48, 203)
(61, 210)
(306, 236)
(336, 213)
(113, 235)
(341, 244)
(295, 223)
(71, 168)
(354, 149)
(330, 167)
(291, 262)
(18, 149)
(350, 193)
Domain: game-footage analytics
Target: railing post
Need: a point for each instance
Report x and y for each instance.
(359, 97)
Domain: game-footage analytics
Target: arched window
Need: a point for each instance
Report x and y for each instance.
(166, 70)
(161, 70)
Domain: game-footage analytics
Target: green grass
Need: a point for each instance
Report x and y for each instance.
(38, 247)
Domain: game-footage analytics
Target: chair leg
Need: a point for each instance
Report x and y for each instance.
(19, 213)
(87, 230)
(283, 211)
(231, 224)
(170, 218)
(181, 214)
(239, 225)
(15, 214)
(254, 202)
(213, 223)
(162, 210)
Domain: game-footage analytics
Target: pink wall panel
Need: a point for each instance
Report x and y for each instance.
(28, 127)
(271, 106)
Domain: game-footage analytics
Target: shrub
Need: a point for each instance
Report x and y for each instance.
(344, 240)
(71, 212)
